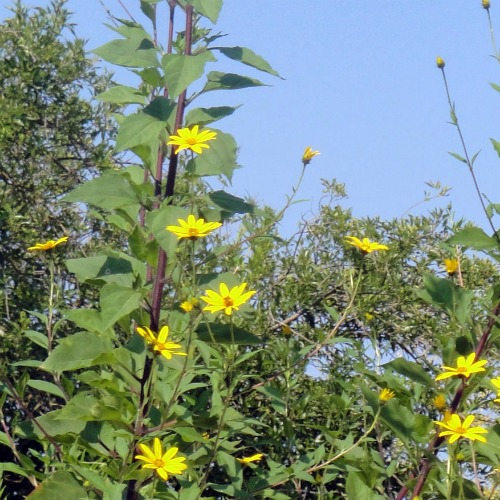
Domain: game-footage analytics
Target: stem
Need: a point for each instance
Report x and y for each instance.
(492, 36)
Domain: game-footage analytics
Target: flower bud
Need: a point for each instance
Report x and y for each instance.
(440, 62)
(485, 4)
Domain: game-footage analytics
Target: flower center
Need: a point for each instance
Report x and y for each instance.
(461, 369)
(193, 231)
(191, 141)
(160, 346)
(460, 430)
(159, 463)
(228, 302)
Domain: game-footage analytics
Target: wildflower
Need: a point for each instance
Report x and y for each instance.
(49, 245)
(485, 4)
(465, 367)
(160, 343)
(308, 155)
(439, 402)
(286, 330)
(440, 62)
(456, 429)
(451, 266)
(253, 458)
(193, 228)
(189, 305)
(191, 139)
(496, 383)
(226, 300)
(385, 395)
(163, 463)
(365, 245)
(369, 316)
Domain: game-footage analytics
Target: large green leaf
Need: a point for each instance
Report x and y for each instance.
(473, 237)
(117, 302)
(132, 53)
(411, 370)
(220, 159)
(230, 203)
(229, 81)
(80, 350)
(181, 70)
(357, 489)
(43, 385)
(248, 57)
(109, 191)
(209, 9)
(221, 334)
(204, 116)
(121, 94)
(59, 486)
(60, 429)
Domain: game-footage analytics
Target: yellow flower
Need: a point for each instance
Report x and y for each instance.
(191, 139)
(456, 429)
(189, 305)
(496, 383)
(451, 266)
(439, 402)
(366, 246)
(253, 458)
(485, 4)
(369, 316)
(385, 395)
(193, 228)
(163, 463)
(465, 367)
(308, 155)
(440, 62)
(49, 245)
(226, 300)
(160, 343)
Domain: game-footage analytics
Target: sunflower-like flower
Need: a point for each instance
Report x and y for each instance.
(226, 300)
(257, 457)
(308, 155)
(191, 139)
(189, 305)
(163, 463)
(456, 429)
(160, 343)
(385, 395)
(365, 245)
(451, 266)
(193, 228)
(465, 367)
(439, 402)
(49, 245)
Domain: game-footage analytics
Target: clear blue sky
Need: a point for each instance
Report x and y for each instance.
(362, 87)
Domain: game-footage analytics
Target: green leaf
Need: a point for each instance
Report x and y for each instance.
(221, 334)
(43, 385)
(117, 302)
(80, 350)
(248, 57)
(121, 94)
(204, 116)
(356, 489)
(103, 267)
(210, 10)
(181, 70)
(473, 237)
(37, 338)
(411, 370)
(496, 146)
(60, 429)
(132, 53)
(399, 418)
(219, 159)
(109, 191)
(158, 220)
(495, 86)
(230, 203)
(59, 486)
(458, 157)
(229, 81)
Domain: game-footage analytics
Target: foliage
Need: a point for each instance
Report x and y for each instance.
(233, 362)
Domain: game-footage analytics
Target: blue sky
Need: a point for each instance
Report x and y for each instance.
(361, 86)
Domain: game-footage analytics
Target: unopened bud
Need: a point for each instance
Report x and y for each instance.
(440, 62)
(485, 4)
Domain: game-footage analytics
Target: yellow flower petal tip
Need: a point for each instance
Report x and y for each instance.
(193, 228)
(440, 62)
(191, 139)
(464, 369)
(385, 395)
(226, 300)
(253, 458)
(159, 342)
(365, 245)
(308, 155)
(49, 245)
(162, 463)
(456, 429)
(451, 266)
